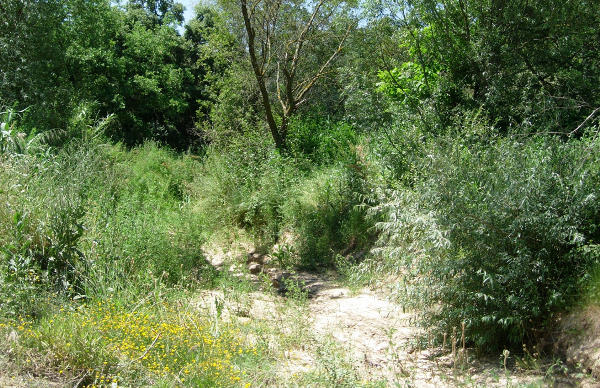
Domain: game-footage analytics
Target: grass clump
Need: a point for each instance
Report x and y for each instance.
(324, 211)
(93, 219)
(141, 225)
(251, 186)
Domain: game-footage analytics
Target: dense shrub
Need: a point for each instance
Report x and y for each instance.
(320, 140)
(491, 234)
(243, 186)
(324, 211)
(141, 224)
(249, 185)
(42, 223)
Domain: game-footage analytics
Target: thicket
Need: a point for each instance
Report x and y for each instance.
(495, 234)
(93, 219)
(490, 210)
(311, 195)
(462, 138)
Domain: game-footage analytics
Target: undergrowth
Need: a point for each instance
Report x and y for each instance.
(102, 342)
(494, 235)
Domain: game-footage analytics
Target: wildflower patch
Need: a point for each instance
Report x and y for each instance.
(108, 345)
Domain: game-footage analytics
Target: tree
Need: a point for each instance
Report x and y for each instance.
(527, 65)
(33, 39)
(285, 41)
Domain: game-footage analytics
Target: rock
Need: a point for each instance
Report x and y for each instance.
(278, 278)
(266, 260)
(255, 268)
(254, 257)
(579, 339)
(12, 337)
(217, 262)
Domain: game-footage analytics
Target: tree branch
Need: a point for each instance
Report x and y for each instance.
(318, 75)
(260, 77)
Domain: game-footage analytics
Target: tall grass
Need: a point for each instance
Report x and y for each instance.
(94, 217)
(249, 185)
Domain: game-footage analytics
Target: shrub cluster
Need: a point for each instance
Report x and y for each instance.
(493, 234)
(250, 185)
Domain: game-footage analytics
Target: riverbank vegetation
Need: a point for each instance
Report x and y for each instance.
(447, 149)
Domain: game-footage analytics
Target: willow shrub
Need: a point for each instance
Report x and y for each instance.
(492, 234)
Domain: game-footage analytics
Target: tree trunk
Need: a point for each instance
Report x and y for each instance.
(275, 133)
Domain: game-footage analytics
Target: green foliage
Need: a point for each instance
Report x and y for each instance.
(141, 225)
(528, 66)
(489, 234)
(42, 225)
(499, 233)
(33, 69)
(590, 282)
(320, 140)
(251, 186)
(323, 211)
(244, 186)
(131, 62)
(95, 219)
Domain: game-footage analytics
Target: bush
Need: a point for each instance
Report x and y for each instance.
(141, 224)
(42, 224)
(249, 185)
(321, 141)
(323, 211)
(490, 234)
(243, 186)
(153, 343)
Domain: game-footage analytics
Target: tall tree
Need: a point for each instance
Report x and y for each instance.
(527, 64)
(33, 72)
(286, 42)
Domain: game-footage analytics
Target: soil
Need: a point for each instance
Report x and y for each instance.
(579, 339)
(380, 341)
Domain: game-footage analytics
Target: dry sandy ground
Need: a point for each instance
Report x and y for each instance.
(379, 340)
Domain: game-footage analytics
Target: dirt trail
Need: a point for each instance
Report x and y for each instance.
(377, 338)
(380, 339)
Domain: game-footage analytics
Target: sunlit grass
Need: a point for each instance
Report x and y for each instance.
(105, 344)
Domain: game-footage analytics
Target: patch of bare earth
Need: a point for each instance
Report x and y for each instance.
(579, 339)
(28, 382)
(378, 339)
(381, 341)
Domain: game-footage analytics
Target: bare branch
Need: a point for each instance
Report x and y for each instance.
(584, 121)
(318, 75)
(300, 40)
(279, 90)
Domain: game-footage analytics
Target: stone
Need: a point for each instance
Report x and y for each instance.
(266, 259)
(254, 257)
(278, 278)
(217, 262)
(255, 268)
